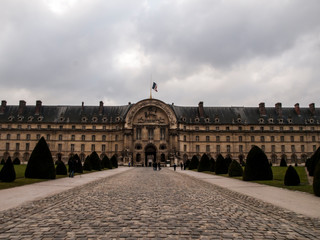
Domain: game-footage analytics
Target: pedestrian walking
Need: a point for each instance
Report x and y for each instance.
(174, 166)
(72, 166)
(181, 166)
(159, 166)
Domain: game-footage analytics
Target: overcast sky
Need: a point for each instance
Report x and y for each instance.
(225, 53)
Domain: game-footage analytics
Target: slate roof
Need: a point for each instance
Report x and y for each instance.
(184, 114)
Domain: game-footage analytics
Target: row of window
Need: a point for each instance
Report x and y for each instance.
(60, 149)
(61, 127)
(241, 150)
(60, 137)
(151, 133)
(252, 138)
(252, 128)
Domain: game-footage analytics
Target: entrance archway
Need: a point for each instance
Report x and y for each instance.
(151, 155)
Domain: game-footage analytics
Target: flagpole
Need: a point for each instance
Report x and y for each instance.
(150, 87)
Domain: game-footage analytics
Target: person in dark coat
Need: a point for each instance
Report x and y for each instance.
(72, 166)
(159, 166)
(181, 166)
(174, 166)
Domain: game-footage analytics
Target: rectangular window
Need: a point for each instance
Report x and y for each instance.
(162, 133)
(207, 128)
(117, 138)
(301, 139)
(17, 146)
(38, 136)
(240, 148)
(252, 138)
(293, 149)
(263, 148)
(73, 138)
(313, 138)
(197, 148)
(208, 138)
(185, 148)
(93, 138)
(272, 138)
(93, 147)
(116, 147)
(7, 146)
(138, 133)
(217, 128)
(292, 138)
(103, 147)
(282, 138)
(273, 148)
(83, 127)
(72, 147)
(185, 138)
(39, 127)
(218, 148)
(240, 138)
(228, 148)
(27, 146)
(283, 148)
(73, 127)
(228, 138)
(208, 148)
(197, 138)
(8, 136)
(218, 138)
(59, 147)
(104, 138)
(262, 138)
(314, 148)
(48, 136)
(18, 136)
(60, 137)
(19, 126)
(82, 148)
(61, 127)
(150, 133)
(49, 126)
(302, 148)
(83, 137)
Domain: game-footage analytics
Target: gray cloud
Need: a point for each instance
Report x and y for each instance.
(221, 52)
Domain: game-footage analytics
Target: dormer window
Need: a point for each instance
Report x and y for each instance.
(61, 119)
(11, 118)
(118, 119)
(261, 120)
(216, 120)
(94, 119)
(197, 120)
(289, 120)
(280, 121)
(40, 118)
(311, 120)
(270, 120)
(30, 119)
(20, 118)
(207, 120)
(84, 119)
(104, 119)
(239, 120)
(183, 119)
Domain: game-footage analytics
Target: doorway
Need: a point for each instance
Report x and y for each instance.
(151, 155)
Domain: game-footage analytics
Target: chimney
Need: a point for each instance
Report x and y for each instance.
(101, 108)
(279, 109)
(22, 106)
(297, 109)
(3, 106)
(82, 107)
(312, 109)
(262, 109)
(200, 110)
(38, 107)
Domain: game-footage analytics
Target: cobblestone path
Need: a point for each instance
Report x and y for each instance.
(144, 204)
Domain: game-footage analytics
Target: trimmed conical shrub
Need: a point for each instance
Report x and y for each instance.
(95, 161)
(212, 165)
(7, 173)
(257, 166)
(106, 162)
(228, 161)
(87, 164)
(114, 161)
(283, 162)
(78, 164)
(16, 161)
(221, 165)
(291, 178)
(235, 169)
(2, 161)
(61, 168)
(194, 163)
(316, 180)
(204, 164)
(315, 158)
(40, 164)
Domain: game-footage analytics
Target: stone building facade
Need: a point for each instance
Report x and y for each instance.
(152, 130)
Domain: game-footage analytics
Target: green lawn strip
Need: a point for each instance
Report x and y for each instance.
(278, 179)
(21, 180)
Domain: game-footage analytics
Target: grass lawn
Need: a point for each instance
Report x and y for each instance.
(278, 179)
(21, 180)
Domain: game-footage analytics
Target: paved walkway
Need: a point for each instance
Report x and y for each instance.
(139, 203)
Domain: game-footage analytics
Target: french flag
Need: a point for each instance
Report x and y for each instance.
(155, 87)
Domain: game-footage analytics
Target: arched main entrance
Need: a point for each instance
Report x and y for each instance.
(151, 155)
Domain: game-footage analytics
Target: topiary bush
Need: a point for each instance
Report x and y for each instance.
(212, 165)
(283, 162)
(235, 169)
(291, 178)
(194, 163)
(61, 168)
(257, 166)
(106, 162)
(16, 161)
(40, 164)
(87, 164)
(95, 161)
(315, 158)
(114, 161)
(187, 164)
(7, 173)
(204, 164)
(316, 180)
(2, 161)
(228, 161)
(221, 165)
(78, 164)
